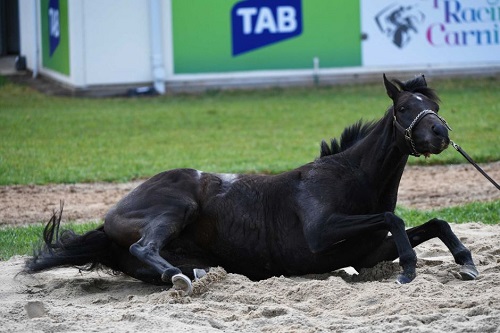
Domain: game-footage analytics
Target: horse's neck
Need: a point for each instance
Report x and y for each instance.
(380, 158)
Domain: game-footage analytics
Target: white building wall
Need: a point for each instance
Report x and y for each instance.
(109, 42)
(78, 65)
(28, 32)
(116, 41)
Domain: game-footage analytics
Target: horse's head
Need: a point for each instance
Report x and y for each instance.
(415, 116)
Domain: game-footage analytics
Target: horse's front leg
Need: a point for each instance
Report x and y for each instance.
(322, 236)
(442, 230)
(432, 229)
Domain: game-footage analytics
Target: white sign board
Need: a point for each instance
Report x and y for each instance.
(430, 32)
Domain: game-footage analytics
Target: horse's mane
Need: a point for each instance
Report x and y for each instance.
(354, 133)
(349, 137)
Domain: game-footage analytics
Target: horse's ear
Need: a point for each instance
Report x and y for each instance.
(424, 80)
(392, 90)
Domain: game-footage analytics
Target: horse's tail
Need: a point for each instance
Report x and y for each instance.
(66, 248)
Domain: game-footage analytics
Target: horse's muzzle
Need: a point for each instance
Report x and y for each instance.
(442, 131)
(437, 145)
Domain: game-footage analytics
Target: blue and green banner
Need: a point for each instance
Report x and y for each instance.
(231, 35)
(55, 35)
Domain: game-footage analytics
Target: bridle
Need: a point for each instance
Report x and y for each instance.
(408, 131)
(409, 140)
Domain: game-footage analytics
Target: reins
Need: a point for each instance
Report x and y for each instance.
(471, 161)
(409, 140)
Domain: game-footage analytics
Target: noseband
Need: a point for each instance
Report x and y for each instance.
(408, 131)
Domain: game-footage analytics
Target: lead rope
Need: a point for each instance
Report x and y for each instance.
(471, 161)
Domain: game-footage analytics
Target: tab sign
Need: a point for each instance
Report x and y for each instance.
(54, 25)
(258, 23)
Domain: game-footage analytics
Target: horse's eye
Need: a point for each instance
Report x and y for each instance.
(402, 109)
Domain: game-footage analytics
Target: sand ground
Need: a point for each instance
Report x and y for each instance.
(66, 300)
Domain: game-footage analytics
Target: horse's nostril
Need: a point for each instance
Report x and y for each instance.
(440, 130)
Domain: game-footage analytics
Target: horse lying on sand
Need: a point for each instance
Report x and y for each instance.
(334, 212)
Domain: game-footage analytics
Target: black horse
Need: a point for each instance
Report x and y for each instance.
(334, 212)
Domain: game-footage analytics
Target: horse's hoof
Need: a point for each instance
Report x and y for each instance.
(468, 272)
(182, 282)
(403, 279)
(199, 273)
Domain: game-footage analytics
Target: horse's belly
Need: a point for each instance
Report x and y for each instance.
(247, 249)
(234, 240)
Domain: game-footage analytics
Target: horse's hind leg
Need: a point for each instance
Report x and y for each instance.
(157, 227)
(148, 251)
(132, 266)
(157, 234)
(432, 229)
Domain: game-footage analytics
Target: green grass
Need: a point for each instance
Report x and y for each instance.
(484, 212)
(47, 139)
(20, 240)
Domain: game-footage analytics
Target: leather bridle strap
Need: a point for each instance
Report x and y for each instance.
(408, 131)
(409, 140)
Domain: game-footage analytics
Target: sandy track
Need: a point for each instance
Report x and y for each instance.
(63, 300)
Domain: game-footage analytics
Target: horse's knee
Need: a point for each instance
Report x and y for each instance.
(440, 226)
(394, 223)
(397, 227)
(140, 251)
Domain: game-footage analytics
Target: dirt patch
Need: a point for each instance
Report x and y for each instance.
(423, 187)
(20, 205)
(431, 187)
